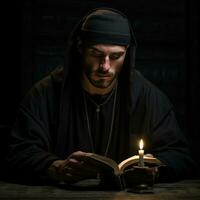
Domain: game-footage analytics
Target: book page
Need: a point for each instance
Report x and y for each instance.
(103, 161)
(127, 162)
(134, 159)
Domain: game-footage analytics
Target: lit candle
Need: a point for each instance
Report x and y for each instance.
(141, 154)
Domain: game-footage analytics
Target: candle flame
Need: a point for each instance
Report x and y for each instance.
(141, 144)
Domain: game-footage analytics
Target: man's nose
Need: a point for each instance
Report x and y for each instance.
(105, 63)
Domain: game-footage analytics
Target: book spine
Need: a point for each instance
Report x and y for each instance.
(122, 182)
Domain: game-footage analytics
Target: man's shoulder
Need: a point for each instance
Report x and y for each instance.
(48, 86)
(146, 85)
(52, 80)
(149, 91)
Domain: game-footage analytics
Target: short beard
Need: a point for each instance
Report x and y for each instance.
(103, 84)
(100, 83)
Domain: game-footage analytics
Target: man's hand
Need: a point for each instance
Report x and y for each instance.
(72, 169)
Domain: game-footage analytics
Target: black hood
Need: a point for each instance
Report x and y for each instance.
(71, 90)
(72, 65)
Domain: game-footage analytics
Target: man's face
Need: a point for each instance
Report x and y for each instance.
(102, 63)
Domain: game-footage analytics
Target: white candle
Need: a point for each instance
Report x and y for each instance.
(141, 154)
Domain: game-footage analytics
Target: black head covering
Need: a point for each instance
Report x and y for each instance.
(106, 26)
(99, 25)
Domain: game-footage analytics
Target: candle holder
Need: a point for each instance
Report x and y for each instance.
(140, 179)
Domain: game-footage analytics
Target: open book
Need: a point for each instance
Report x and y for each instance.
(116, 174)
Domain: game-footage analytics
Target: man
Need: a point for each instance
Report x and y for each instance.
(97, 103)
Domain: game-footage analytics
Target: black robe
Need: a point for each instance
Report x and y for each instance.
(33, 145)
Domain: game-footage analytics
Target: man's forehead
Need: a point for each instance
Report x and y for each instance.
(108, 47)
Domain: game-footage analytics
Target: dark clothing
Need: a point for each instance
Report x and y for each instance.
(34, 136)
(52, 123)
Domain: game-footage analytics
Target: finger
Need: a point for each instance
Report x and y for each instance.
(72, 175)
(78, 155)
(84, 167)
(81, 171)
(71, 178)
(70, 163)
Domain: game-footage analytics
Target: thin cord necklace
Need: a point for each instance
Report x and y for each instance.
(112, 119)
(101, 104)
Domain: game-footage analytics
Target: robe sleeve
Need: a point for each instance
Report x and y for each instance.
(169, 144)
(30, 145)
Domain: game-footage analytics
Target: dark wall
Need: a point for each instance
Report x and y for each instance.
(167, 33)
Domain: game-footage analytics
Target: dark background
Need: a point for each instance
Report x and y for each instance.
(33, 39)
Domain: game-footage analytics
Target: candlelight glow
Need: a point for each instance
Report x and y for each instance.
(141, 144)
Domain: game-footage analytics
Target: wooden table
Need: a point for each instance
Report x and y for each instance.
(183, 190)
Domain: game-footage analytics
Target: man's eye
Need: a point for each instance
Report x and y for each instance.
(114, 57)
(95, 54)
